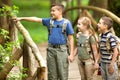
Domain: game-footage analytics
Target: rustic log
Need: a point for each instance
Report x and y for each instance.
(34, 48)
(41, 73)
(31, 43)
(29, 61)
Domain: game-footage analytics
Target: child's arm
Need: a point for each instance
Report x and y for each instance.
(71, 42)
(96, 56)
(95, 52)
(75, 51)
(114, 57)
(32, 19)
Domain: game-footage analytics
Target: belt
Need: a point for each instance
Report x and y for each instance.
(57, 45)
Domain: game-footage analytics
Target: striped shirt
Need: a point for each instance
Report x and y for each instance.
(106, 56)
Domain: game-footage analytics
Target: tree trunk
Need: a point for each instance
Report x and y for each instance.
(7, 24)
(4, 19)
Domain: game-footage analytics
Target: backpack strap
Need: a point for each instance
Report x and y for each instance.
(91, 48)
(64, 26)
(51, 26)
(107, 42)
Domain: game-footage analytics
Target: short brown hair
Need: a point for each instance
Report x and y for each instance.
(108, 21)
(59, 5)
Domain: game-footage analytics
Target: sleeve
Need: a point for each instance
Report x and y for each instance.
(92, 40)
(69, 28)
(112, 42)
(46, 21)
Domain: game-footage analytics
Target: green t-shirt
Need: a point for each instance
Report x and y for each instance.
(84, 50)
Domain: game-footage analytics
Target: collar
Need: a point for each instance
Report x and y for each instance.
(106, 33)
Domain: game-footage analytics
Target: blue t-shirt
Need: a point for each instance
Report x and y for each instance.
(57, 37)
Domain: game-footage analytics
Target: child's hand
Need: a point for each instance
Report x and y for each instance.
(16, 19)
(70, 58)
(111, 69)
(96, 66)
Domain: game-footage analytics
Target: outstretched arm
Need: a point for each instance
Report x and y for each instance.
(32, 19)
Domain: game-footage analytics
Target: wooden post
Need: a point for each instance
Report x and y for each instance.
(41, 73)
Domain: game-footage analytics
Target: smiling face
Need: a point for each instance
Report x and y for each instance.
(81, 27)
(83, 24)
(101, 26)
(56, 11)
(104, 24)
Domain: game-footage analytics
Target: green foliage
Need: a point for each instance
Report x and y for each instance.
(84, 2)
(4, 33)
(9, 11)
(17, 75)
(6, 53)
(6, 48)
(32, 4)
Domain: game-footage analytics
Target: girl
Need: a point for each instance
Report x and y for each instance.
(86, 49)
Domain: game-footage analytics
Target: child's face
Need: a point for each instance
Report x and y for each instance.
(80, 26)
(101, 26)
(55, 12)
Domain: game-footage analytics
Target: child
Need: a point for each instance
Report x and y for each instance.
(107, 57)
(86, 49)
(57, 56)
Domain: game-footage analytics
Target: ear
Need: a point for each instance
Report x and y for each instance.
(60, 11)
(106, 26)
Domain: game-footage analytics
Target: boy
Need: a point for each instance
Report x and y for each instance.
(57, 56)
(108, 58)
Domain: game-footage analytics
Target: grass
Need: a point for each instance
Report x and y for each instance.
(38, 8)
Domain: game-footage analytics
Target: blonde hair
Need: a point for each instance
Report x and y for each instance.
(87, 22)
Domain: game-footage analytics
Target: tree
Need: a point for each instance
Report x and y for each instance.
(8, 24)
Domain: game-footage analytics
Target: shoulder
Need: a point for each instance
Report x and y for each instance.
(110, 36)
(46, 19)
(92, 39)
(78, 34)
(66, 21)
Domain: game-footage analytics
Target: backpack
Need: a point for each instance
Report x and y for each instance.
(87, 45)
(109, 47)
(64, 26)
